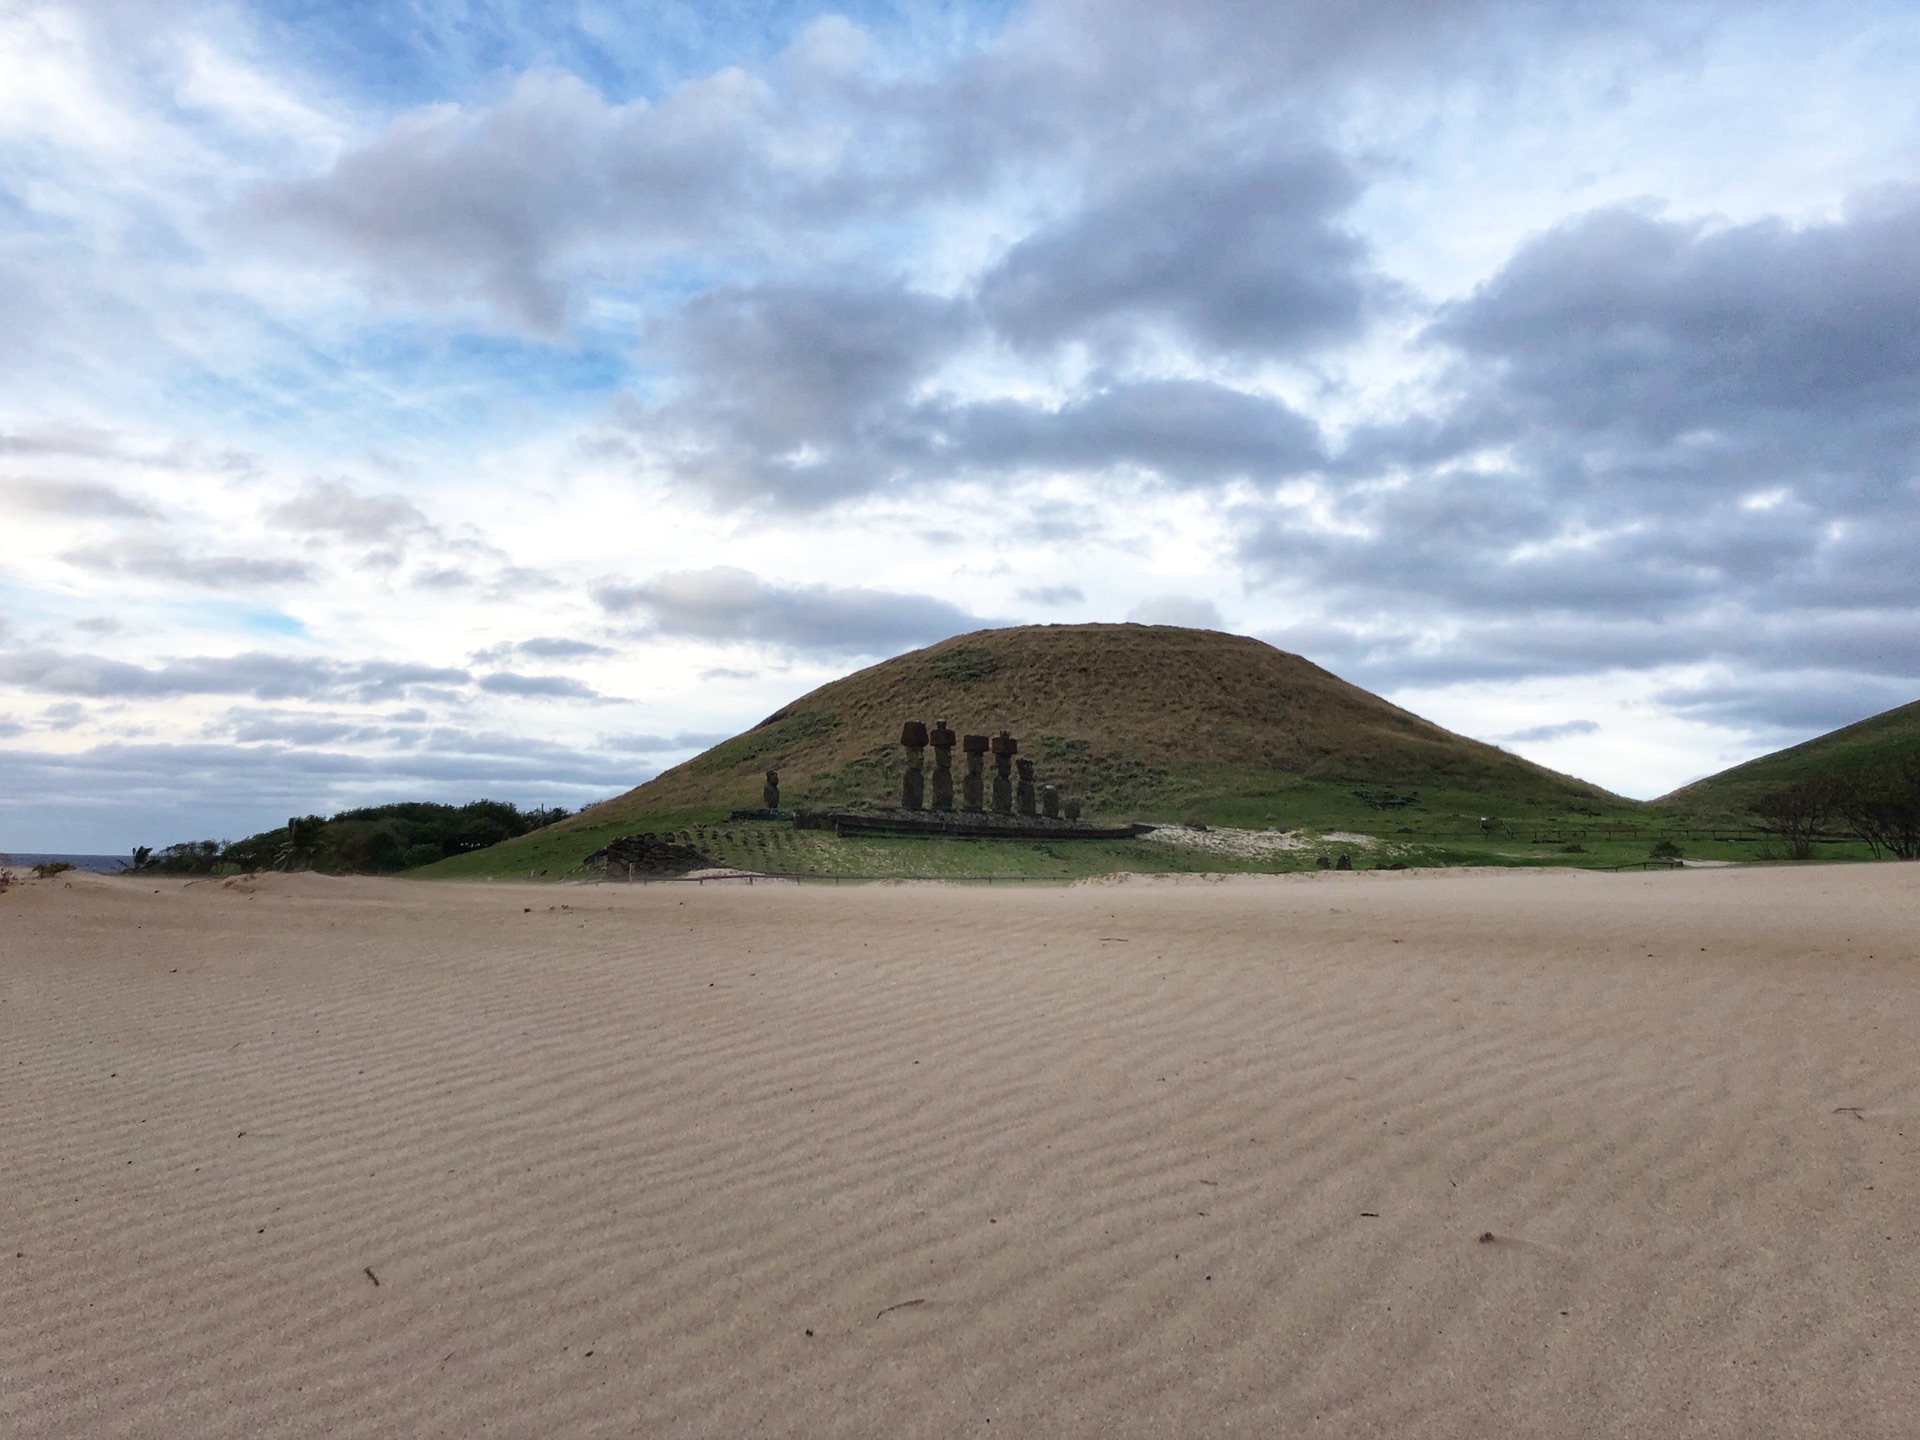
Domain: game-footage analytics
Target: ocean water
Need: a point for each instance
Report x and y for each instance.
(102, 864)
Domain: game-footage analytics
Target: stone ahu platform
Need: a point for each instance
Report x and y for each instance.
(979, 825)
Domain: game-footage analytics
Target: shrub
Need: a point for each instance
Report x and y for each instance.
(1797, 812)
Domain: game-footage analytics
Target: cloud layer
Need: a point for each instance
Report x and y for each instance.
(475, 371)
(730, 605)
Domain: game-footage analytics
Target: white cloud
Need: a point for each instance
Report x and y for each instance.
(1514, 358)
(1189, 611)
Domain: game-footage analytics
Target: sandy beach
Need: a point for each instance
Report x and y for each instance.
(302, 1156)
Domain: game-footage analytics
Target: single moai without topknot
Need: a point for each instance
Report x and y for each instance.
(1004, 748)
(973, 786)
(1023, 801)
(913, 784)
(770, 791)
(1050, 801)
(1073, 809)
(942, 739)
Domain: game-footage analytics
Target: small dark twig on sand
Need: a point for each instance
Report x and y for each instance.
(1853, 1110)
(903, 1305)
(373, 1277)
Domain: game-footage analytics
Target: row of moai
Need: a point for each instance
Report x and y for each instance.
(1011, 795)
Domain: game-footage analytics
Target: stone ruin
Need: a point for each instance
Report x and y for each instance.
(942, 739)
(913, 784)
(973, 788)
(648, 854)
(1004, 748)
(1010, 795)
(1023, 790)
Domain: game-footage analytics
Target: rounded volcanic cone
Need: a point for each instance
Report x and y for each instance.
(1137, 721)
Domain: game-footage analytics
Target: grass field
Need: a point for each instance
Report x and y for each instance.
(776, 848)
(1166, 726)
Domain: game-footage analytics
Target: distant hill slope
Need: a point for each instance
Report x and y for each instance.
(1147, 722)
(1879, 741)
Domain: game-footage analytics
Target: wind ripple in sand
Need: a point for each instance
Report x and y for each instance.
(1155, 1160)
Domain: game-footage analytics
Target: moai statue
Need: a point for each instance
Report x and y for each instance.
(973, 788)
(1004, 748)
(942, 739)
(770, 791)
(1024, 791)
(913, 785)
(1073, 810)
(1050, 801)
(1345, 862)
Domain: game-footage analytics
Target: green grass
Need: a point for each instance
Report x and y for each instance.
(1163, 725)
(1446, 834)
(556, 851)
(1876, 744)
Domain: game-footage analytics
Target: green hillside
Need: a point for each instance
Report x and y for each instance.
(1876, 744)
(1153, 723)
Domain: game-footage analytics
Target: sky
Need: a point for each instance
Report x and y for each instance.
(452, 398)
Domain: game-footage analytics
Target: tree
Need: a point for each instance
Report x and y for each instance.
(1884, 809)
(1797, 812)
(301, 847)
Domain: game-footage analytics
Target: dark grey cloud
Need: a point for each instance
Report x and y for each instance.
(263, 676)
(1188, 432)
(519, 204)
(538, 687)
(1247, 258)
(662, 744)
(301, 727)
(454, 203)
(1709, 450)
(802, 397)
(1535, 734)
(494, 580)
(153, 559)
(1052, 595)
(799, 395)
(1651, 333)
(728, 604)
(70, 440)
(80, 499)
(1178, 193)
(333, 507)
(1788, 705)
(1388, 645)
(542, 647)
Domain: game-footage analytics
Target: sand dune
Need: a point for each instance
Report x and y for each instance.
(1159, 1158)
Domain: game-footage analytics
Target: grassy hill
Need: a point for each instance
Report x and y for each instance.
(1141, 722)
(1877, 743)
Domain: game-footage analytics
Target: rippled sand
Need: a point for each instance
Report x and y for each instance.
(1158, 1158)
